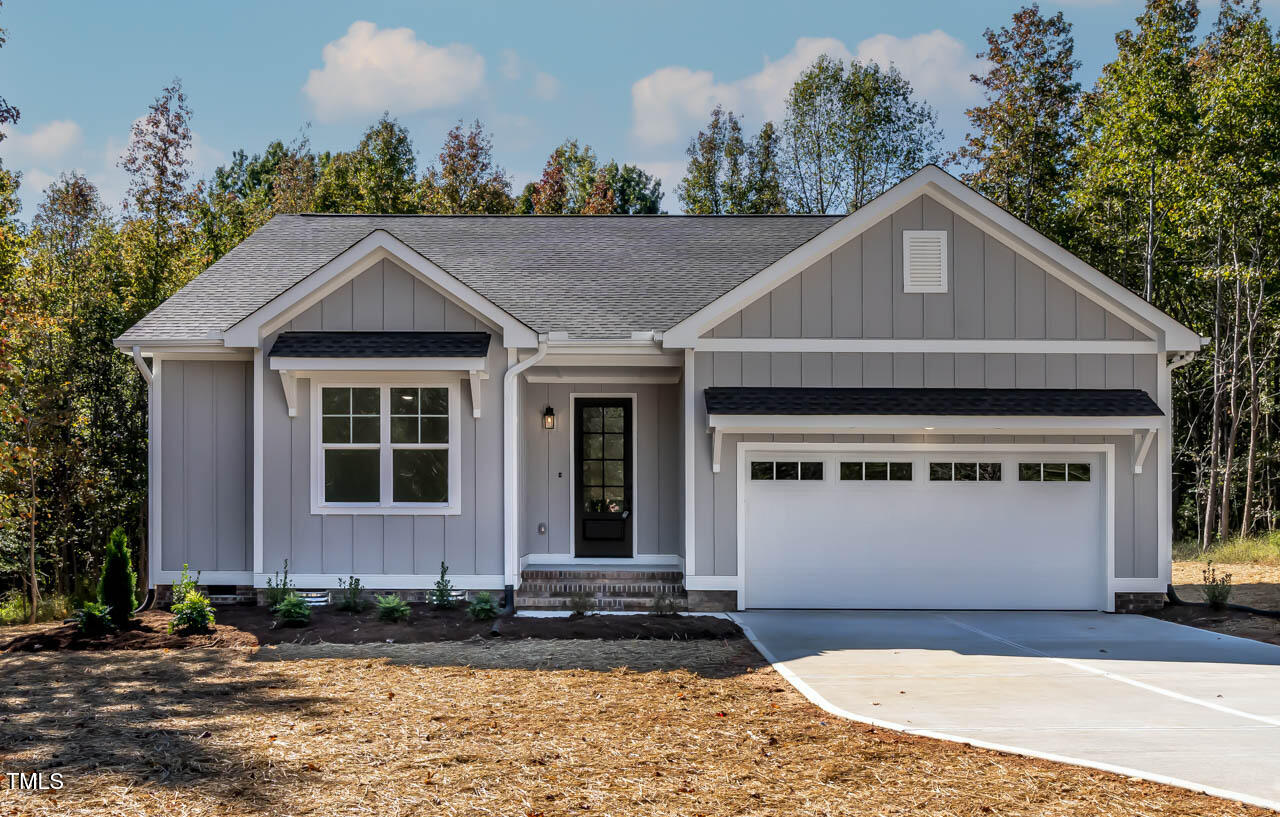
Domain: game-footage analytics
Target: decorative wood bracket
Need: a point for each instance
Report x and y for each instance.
(290, 384)
(475, 376)
(1141, 445)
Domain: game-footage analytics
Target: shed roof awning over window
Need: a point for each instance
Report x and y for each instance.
(381, 344)
(781, 400)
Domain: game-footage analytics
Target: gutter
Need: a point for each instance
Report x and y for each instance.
(143, 368)
(510, 516)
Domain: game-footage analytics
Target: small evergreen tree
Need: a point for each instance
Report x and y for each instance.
(117, 588)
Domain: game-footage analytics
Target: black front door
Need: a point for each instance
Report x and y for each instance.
(602, 486)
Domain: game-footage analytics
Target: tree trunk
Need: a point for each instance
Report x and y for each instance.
(31, 527)
(1215, 424)
(1148, 286)
(1229, 451)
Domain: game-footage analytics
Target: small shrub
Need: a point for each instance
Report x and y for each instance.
(183, 586)
(482, 608)
(664, 604)
(118, 585)
(1217, 587)
(279, 589)
(392, 608)
(350, 601)
(582, 604)
(292, 611)
(442, 595)
(94, 619)
(194, 614)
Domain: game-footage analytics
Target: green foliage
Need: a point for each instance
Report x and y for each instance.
(292, 611)
(94, 619)
(482, 607)
(185, 584)
(1261, 549)
(442, 595)
(582, 603)
(728, 174)
(351, 600)
(1217, 587)
(194, 614)
(664, 604)
(392, 608)
(278, 588)
(117, 588)
(15, 608)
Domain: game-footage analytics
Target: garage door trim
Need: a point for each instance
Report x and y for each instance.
(802, 449)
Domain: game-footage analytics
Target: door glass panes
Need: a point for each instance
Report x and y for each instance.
(1078, 472)
(604, 459)
(850, 470)
(786, 470)
(876, 470)
(900, 471)
(989, 472)
(762, 470)
(811, 471)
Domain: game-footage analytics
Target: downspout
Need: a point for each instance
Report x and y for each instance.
(141, 364)
(510, 516)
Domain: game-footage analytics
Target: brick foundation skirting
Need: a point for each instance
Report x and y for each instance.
(713, 601)
(1138, 602)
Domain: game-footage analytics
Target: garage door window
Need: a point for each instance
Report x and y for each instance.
(786, 470)
(872, 471)
(1054, 472)
(964, 472)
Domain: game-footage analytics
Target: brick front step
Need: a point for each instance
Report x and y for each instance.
(610, 588)
(625, 604)
(644, 576)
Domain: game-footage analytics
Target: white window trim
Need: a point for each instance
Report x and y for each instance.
(907, 285)
(386, 507)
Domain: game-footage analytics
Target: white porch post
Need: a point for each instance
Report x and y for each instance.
(690, 500)
(510, 462)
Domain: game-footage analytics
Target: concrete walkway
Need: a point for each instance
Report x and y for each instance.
(1127, 693)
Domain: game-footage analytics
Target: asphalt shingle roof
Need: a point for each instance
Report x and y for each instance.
(1000, 402)
(381, 344)
(590, 276)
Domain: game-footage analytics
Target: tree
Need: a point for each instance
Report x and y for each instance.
(850, 134)
(1136, 125)
(118, 583)
(379, 176)
(634, 191)
(1024, 133)
(700, 190)
(572, 183)
(466, 180)
(727, 174)
(764, 178)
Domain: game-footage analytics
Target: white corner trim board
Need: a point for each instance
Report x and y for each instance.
(511, 460)
(817, 699)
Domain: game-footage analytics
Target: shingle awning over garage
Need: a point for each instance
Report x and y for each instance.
(943, 402)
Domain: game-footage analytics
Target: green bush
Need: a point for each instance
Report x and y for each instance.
(664, 604)
(194, 614)
(292, 611)
(185, 584)
(582, 603)
(1217, 587)
(392, 608)
(483, 607)
(350, 600)
(15, 607)
(118, 585)
(279, 589)
(442, 595)
(94, 619)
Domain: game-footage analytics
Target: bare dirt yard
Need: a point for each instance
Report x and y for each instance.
(1254, 585)
(495, 727)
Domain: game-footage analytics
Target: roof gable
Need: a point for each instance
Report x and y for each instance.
(968, 205)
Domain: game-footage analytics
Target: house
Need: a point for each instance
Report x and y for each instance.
(922, 404)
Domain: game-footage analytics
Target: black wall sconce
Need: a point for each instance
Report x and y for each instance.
(549, 418)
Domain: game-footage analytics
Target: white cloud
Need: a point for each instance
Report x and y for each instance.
(545, 86)
(671, 103)
(369, 70)
(48, 142)
(937, 64)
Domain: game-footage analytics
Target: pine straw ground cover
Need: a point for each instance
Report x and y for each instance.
(510, 728)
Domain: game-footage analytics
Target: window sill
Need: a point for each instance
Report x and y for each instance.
(386, 510)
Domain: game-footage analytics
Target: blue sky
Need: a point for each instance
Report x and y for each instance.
(634, 80)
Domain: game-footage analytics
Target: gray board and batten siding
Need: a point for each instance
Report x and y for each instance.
(856, 292)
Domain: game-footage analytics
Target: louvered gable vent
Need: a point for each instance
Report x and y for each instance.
(924, 260)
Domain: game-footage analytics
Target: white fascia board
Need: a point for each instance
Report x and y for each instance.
(179, 349)
(952, 192)
(946, 346)
(348, 264)
(578, 358)
(404, 581)
(922, 424)
(379, 364)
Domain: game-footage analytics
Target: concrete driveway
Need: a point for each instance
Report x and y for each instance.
(1128, 693)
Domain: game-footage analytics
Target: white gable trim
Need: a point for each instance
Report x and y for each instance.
(379, 245)
(985, 215)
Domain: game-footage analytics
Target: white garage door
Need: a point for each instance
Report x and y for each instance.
(941, 530)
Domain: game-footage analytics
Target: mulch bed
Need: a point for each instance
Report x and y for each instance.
(1228, 622)
(253, 626)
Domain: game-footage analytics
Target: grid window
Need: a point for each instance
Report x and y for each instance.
(873, 471)
(964, 471)
(1054, 472)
